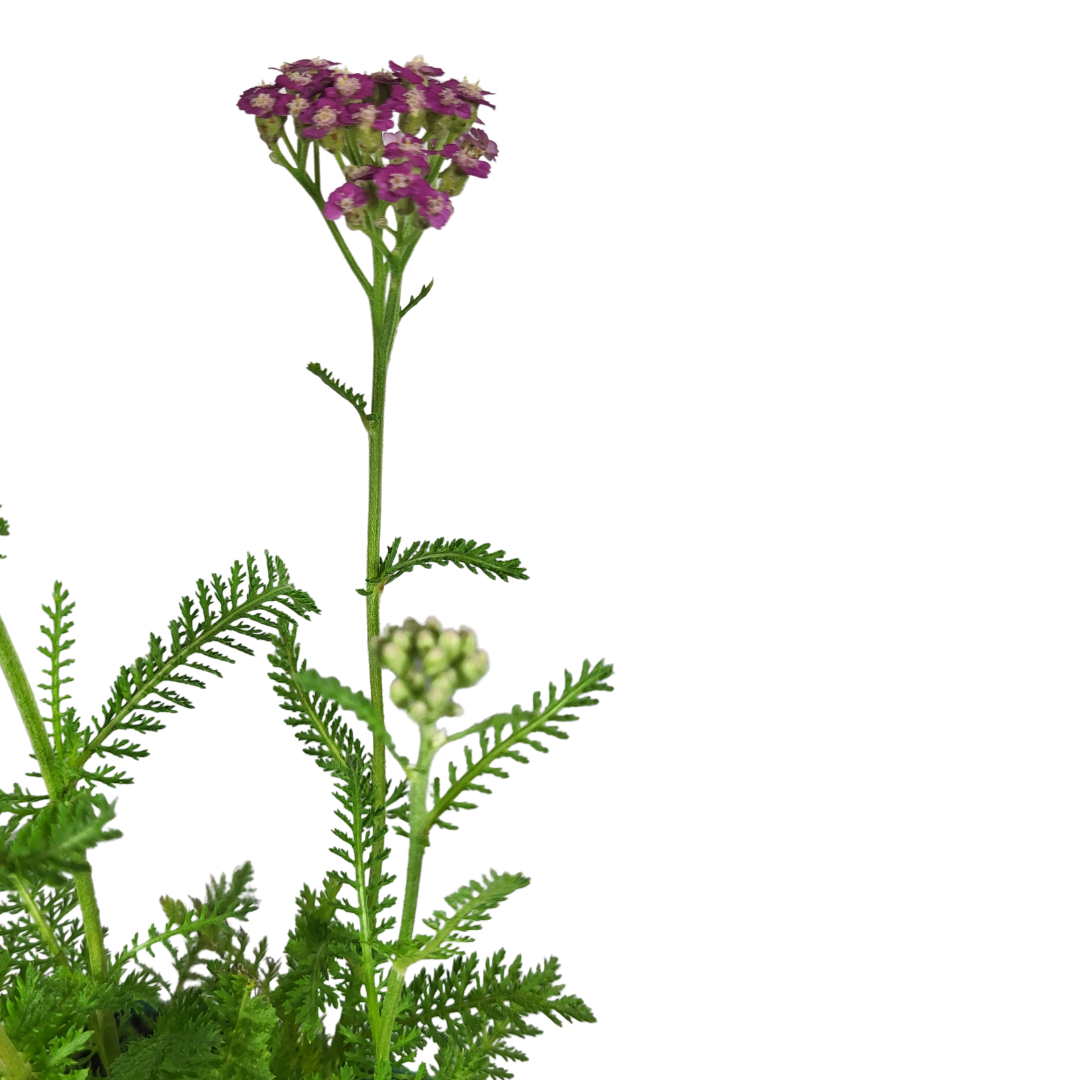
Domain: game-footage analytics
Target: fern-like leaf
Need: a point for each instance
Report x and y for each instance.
(247, 1021)
(469, 554)
(4, 531)
(203, 920)
(414, 300)
(330, 689)
(470, 906)
(506, 735)
(59, 643)
(470, 1012)
(242, 604)
(347, 392)
(54, 841)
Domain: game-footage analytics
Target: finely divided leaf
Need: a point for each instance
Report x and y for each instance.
(332, 690)
(243, 604)
(470, 906)
(347, 392)
(54, 841)
(465, 553)
(506, 735)
(414, 300)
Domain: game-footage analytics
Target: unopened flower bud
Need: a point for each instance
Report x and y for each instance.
(468, 641)
(411, 625)
(418, 711)
(355, 220)
(354, 174)
(450, 645)
(369, 140)
(452, 181)
(334, 140)
(425, 640)
(473, 668)
(435, 661)
(442, 690)
(415, 681)
(438, 737)
(433, 624)
(403, 639)
(270, 128)
(399, 694)
(409, 123)
(395, 658)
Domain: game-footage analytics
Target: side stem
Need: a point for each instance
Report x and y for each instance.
(103, 1023)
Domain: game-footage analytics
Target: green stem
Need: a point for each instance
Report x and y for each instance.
(31, 715)
(22, 887)
(104, 1024)
(13, 1066)
(418, 791)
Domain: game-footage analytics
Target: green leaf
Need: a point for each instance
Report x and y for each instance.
(247, 1023)
(54, 841)
(332, 690)
(470, 906)
(464, 553)
(63, 720)
(347, 392)
(242, 604)
(414, 300)
(506, 735)
(204, 923)
(4, 531)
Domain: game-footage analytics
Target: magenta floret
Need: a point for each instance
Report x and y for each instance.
(433, 206)
(344, 200)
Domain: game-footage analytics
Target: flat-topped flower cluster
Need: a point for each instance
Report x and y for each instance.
(351, 115)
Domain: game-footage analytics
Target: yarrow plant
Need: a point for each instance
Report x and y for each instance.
(72, 1007)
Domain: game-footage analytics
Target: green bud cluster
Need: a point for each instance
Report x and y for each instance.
(430, 664)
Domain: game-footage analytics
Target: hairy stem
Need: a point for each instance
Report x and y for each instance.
(104, 1024)
(13, 1066)
(22, 887)
(418, 791)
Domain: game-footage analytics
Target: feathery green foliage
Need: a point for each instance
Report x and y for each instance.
(240, 605)
(54, 841)
(4, 531)
(414, 300)
(469, 907)
(505, 736)
(347, 392)
(464, 553)
(63, 720)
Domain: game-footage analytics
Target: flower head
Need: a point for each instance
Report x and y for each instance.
(415, 70)
(433, 206)
(444, 98)
(350, 86)
(470, 91)
(372, 117)
(466, 158)
(409, 98)
(401, 147)
(261, 101)
(394, 182)
(346, 199)
(323, 116)
(307, 76)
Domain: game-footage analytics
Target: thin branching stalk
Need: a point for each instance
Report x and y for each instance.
(104, 1024)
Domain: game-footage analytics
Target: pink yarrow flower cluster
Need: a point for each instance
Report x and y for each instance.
(351, 114)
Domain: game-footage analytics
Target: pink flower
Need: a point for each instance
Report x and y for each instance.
(433, 206)
(346, 199)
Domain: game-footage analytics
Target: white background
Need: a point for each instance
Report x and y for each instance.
(758, 347)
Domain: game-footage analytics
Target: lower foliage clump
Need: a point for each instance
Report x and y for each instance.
(231, 1010)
